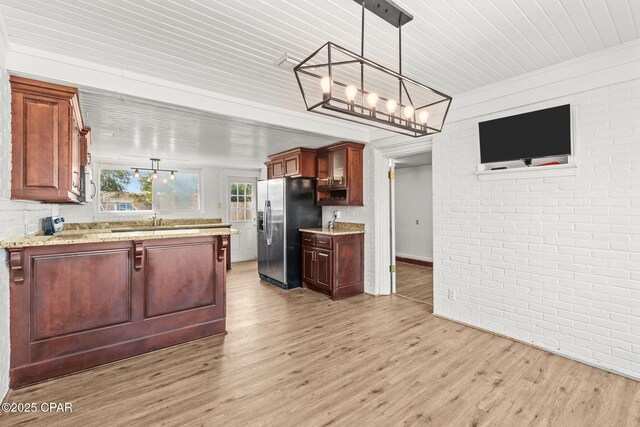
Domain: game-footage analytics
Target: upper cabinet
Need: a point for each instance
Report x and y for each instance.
(340, 176)
(49, 142)
(296, 163)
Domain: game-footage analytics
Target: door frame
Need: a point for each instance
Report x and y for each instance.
(385, 206)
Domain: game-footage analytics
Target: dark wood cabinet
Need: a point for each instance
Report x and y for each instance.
(340, 175)
(333, 264)
(296, 163)
(82, 305)
(47, 141)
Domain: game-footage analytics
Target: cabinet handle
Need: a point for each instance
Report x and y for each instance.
(89, 158)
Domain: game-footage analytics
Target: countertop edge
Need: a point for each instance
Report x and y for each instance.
(28, 242)
(329, 232)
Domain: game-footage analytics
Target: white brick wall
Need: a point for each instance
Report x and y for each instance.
(552, 261)
(16, 219)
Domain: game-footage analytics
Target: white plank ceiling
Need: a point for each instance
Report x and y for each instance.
(229, 46)
(125, 128)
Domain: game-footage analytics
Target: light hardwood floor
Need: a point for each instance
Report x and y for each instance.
(299, 359)
(415, 282)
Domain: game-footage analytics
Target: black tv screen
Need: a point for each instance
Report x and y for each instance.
(542, 133)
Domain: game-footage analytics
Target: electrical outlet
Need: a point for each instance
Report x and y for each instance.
(417, 222)
(452, 295)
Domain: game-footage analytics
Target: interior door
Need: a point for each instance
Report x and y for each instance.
(242, 214)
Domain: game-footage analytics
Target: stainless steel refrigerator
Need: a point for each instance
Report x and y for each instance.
(284, 206)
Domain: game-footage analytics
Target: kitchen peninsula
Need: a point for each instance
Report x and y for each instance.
(100, 292)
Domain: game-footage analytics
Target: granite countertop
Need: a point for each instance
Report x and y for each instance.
(340, 228)
(99, 232)
(147, 223)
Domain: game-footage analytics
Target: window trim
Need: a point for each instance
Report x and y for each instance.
(111, 166)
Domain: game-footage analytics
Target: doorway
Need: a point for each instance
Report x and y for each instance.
(242, 216)
(412, 226)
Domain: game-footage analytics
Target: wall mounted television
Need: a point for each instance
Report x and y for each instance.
(541, 133)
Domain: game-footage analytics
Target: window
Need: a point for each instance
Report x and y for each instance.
(120, 191)
(241, 201)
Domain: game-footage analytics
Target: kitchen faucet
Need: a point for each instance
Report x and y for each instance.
(332, 224)
(154, 217)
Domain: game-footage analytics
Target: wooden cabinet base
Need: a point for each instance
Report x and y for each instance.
(38, 372)
(75, 307)
(333, 265)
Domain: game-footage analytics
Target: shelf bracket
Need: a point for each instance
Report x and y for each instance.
(223, 244)
(138, 255)
(15, 265)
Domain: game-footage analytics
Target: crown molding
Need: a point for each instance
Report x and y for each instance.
(32, 62)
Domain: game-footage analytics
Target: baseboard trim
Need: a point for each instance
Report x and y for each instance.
(414, 261)
(613, 371)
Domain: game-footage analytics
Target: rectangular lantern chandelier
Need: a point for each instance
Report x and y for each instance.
(337, 82)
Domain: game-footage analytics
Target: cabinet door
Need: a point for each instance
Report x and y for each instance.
(323, 169)
(323, 268)
(292, 165)
(339, 169)
(308, 265)
(277, 168)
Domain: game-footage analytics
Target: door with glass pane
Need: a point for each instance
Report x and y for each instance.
(242, 215)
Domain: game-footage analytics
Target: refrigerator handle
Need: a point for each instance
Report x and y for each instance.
(267, 221)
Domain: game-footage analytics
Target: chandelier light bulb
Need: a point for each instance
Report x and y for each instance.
(391, 107)
(136, 173)
(372, 99)
(351, 91)
(173, 175)
(154, 175)
(423, 116)
(408, 112)
(325, 84)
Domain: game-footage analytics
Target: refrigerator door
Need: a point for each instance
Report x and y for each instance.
(262, 216)
(276, 233)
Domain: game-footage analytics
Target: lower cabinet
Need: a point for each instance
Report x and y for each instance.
(74, 307)
(333, 264)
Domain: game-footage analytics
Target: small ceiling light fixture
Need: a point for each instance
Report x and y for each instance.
(155, 168)
(364, 83)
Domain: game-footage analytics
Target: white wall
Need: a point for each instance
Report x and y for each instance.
(414, 201)
(554, 261)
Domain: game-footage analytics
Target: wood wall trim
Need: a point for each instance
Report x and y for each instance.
(15, 265)
(414, 261)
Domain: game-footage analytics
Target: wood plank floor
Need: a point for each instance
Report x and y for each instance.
(297, 358)
(415, 282)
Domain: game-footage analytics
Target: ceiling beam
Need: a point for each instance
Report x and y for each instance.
(32, 62)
